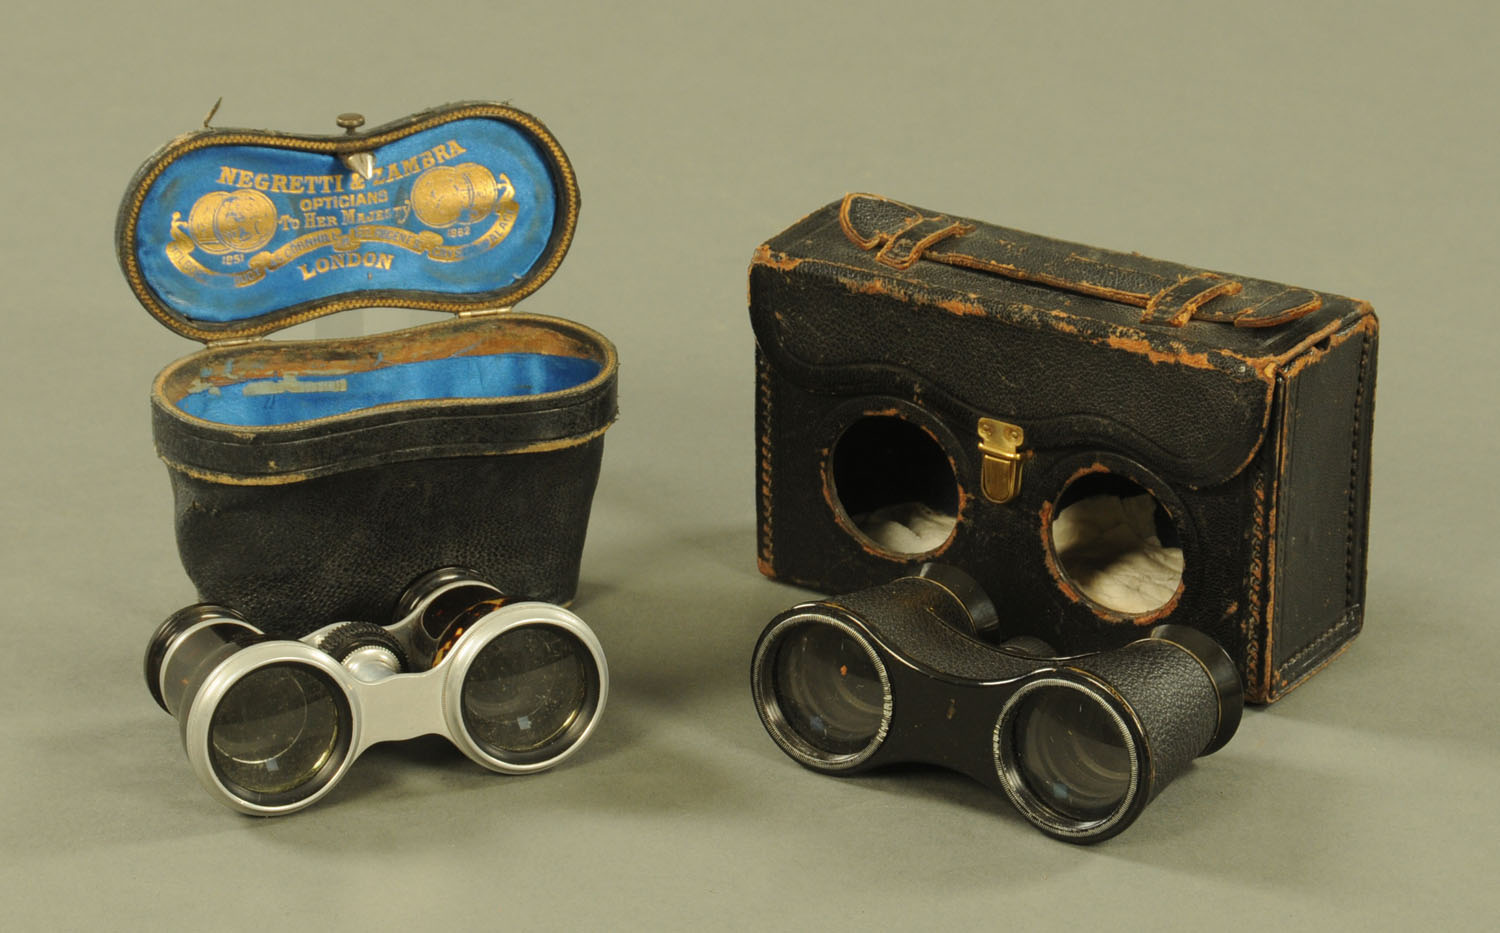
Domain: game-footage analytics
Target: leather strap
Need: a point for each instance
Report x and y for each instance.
(1177, 303)
(1169, 293)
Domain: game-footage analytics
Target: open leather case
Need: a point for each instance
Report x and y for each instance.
(315, 479)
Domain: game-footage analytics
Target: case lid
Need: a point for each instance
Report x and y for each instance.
(229, 234)
(1083, 347)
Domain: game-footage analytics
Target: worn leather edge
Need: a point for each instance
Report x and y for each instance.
(387, 433)
(1108, 337)
(1170, 293)
(284, 477)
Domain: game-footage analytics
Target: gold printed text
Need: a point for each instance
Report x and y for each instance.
(381, 261)
(338, 184)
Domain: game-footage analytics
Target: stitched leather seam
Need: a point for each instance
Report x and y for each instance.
(1348, 627)
(1254, 599)
(1333, 630)
(764, 374)
(1350, 532)
(1285, 450)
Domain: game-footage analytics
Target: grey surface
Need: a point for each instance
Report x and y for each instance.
(1350, 147)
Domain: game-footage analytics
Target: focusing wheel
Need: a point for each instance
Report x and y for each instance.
(352, 636)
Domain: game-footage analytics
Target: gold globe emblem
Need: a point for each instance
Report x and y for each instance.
(450, 194)
(232, 221)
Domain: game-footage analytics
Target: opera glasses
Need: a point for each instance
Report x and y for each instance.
(898, 673)
(271, 725)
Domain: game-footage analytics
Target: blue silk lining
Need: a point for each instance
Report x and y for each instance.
(266, 248)
(293, 398)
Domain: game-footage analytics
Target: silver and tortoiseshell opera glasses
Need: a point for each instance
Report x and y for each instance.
(271, 725)
(899, 673)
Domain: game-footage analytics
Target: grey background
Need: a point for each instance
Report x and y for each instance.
(1350, 147)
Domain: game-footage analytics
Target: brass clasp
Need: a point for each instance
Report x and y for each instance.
(362, 163)
(1000, 444)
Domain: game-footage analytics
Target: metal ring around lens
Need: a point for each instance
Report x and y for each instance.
(1025, 800)
(198, 719)
(775, 721)
(486, 630)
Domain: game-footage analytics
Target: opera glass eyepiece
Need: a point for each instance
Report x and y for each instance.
(270, 726)
(898, 673)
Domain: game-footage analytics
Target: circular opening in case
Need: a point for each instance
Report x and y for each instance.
(896, 485)
(1116, 544)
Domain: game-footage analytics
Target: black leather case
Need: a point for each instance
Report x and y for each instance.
(314, 480)
(998, 378)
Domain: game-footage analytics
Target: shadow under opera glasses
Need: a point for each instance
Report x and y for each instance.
(898, 673)
(271, 725)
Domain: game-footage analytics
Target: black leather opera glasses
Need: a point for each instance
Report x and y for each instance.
(899, 673)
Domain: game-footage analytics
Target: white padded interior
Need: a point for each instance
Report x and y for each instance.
(1108, 548)
(907, 527)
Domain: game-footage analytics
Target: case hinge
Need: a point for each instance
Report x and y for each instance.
(230, 342)
(484, 312)
(1000, 444)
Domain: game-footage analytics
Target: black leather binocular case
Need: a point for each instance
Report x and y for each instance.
(1110, 441)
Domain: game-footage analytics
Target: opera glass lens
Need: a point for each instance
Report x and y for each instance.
(829, 688)
(527, 692)
(271, 725)
(909, 672)
(1072, 752)
(275, 728)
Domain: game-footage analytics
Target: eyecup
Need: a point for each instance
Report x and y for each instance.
(981, 609)
(428, 583)
(1221, 670)
(174, 625)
